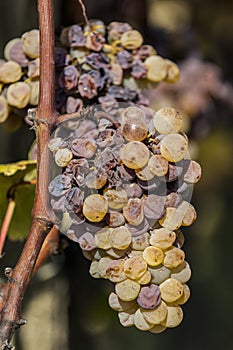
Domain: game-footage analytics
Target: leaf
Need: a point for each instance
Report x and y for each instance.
(12, 177)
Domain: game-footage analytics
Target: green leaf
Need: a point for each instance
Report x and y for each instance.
(12, 177)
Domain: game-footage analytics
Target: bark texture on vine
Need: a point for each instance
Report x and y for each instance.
(18, 278)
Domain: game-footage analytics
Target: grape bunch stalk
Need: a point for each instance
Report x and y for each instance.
(121, 191)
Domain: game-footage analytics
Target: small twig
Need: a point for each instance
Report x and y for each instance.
(6, 224)
(49, 247)
(84, 11)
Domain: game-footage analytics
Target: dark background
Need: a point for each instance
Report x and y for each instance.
(65, 307)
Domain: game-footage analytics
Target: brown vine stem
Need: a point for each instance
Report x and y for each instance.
(6, 224)
(12, 293)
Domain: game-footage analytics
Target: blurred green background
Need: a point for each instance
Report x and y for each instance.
(66, 309)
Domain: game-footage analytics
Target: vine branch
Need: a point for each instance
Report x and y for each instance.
(12, 293)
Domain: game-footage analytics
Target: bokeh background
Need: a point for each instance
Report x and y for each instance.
(67, 309)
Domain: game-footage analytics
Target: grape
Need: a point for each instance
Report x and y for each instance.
(94, 271)
(157, 315)
(144, 174)
(31, 43)
(192, 172)
(140, 322)
(173, 199)
(154, 206)
(185, 296)
(18, 94)
(102, 238)
(84, 147)
(120, 305)
(126, 318)
(162, 238)
(120, 237)
(103, 265)
(4, 110)
(174, 171)
(117, 253)
(173, 72)
(139, 230)
(179, 242)
(159, 273)
(145, 279)
(133, 211)
(156, 68)
(115, 271)
(63, 156)
(87, 241)
(116, 73)
(115, 219)
(174, 316)
(117, 199)
(127, 290)
(174, 147)
(135, 155)
(171, 290)
(133, 190)
(13, 51)
(131, 40)
(87, 86)
(168, 121)
(182, 272)
(56, 143)
(95, 208)
(149, 297)
(140, 242)
(59, 185)
(190, 216)
(96, 179)
(116, 29)
(173, 217)
(134, 126)
(135, 267)
(10, 72)
(153, 256)
(173, 257)
(158, 165)
(35, 89)
(158, 328)
(34, 68)
(95, 41)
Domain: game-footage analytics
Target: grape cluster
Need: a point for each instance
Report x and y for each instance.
(19, 74)
(94, 63)
(123, 193)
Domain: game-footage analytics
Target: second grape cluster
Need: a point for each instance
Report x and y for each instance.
(123, 193)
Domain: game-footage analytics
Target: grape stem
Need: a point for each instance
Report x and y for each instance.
(6, 224)
(18, 278)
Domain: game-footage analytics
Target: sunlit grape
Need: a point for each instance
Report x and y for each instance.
(182, 272)
(131, 40)
(10, 72)
(171, 290)
(140, 321)
(173, 257)
(95, 207)
(134, 127)
(185, 296)
(127, 290)
(168, 121)
(115, 271)
(120, 237)
(157, 315)
(63, 156)
(135, 267)
(158, 165)
(102, 238)
(162, 238)
(120, 305)
(18, 94)
(153, 256)
(117, 198)
(174, 147)
(31, 43)
(174, 316)
(135, 155)
(156, 68)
